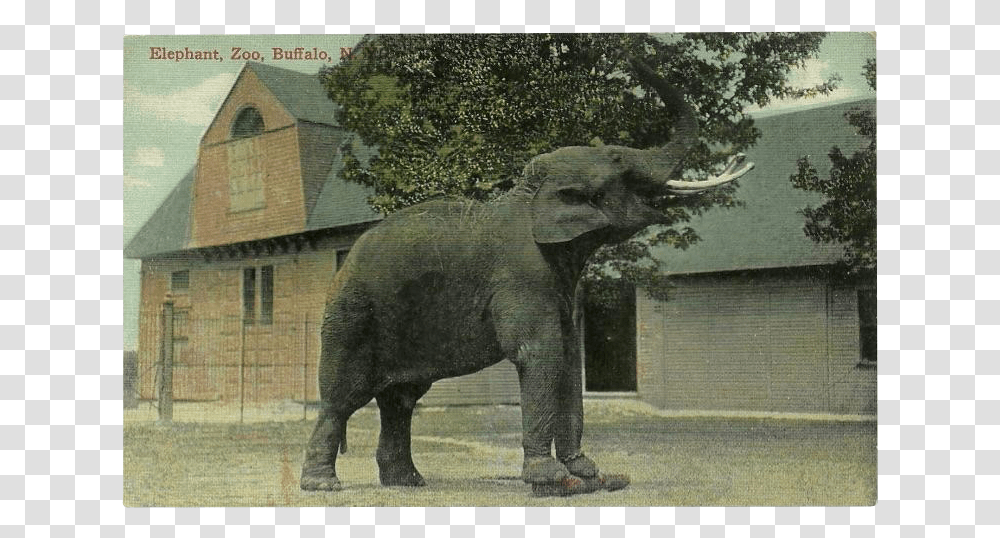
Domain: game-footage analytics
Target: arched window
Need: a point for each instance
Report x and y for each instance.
(246, 167)
(248, 123)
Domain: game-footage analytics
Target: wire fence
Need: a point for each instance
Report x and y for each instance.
(182, 357)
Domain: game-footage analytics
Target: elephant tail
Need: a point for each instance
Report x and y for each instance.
(343, 437)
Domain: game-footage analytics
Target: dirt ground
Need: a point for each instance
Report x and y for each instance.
(470, 456)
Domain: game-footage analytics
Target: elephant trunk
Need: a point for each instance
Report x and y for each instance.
(663, 166)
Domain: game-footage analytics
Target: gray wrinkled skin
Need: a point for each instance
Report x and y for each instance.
(448, 287)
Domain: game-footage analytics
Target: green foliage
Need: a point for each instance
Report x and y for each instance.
(462, 114)
(869, 73)
(849, 214)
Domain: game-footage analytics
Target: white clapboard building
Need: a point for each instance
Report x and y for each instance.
(756, 322)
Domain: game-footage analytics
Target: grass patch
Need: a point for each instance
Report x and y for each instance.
(471, 456)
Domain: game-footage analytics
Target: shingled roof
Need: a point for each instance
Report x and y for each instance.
(342, 203)
(767, 231)
(301, 94)
(169, 229)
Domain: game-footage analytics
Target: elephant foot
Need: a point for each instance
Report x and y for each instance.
(544, 470)
(319, 483)
(407, 477)
(578, 486)
(317, 475)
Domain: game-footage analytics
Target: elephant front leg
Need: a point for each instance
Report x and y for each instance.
(569, 431)
(539, 383)
(534, 341)
(541, 410)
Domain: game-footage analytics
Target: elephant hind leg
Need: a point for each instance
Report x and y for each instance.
(394, 457)
(319, 471)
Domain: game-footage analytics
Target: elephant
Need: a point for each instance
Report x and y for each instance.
(448, 287)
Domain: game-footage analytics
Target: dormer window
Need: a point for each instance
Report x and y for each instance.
(248, 123)
(246, 173)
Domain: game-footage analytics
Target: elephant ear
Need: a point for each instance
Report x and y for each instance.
(563, 207)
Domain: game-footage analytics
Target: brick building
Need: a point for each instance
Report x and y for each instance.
(246, 243)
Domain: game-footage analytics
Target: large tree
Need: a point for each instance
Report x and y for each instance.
(462, 114)
(847, 216)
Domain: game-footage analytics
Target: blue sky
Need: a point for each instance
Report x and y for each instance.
(169, 104)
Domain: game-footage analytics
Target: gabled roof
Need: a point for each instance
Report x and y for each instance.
(767, 232)
(339, 203)
(343, 203)
(301, 94)
(169, 229)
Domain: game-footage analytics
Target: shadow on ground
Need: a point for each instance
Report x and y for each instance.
(470, 456)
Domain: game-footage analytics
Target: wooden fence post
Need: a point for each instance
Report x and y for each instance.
(305, 364)
(243, 352)
(166, 403)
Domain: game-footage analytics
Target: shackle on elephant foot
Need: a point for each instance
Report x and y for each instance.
(575, 485)
(581, 466)
(577, 475)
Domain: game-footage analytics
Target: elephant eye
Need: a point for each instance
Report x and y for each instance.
(644, 189)
(574, 196)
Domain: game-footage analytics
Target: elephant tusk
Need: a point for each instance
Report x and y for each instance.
(737, 167)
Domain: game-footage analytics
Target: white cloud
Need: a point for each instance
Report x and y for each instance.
(195, 105)
(814, 72)
(788, 105)
(149, 156)
(135, 182)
